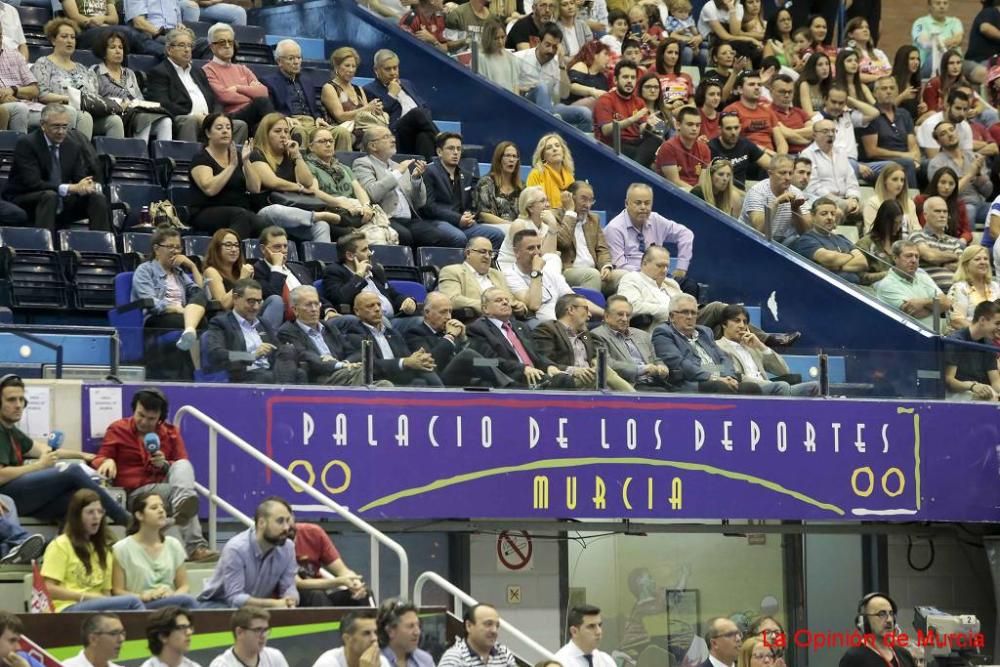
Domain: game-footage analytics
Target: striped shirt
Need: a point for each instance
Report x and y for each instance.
(942, 275)
(460, 655)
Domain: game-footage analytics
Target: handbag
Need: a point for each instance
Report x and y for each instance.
(378, 231)
(297, 200)
(99, 107)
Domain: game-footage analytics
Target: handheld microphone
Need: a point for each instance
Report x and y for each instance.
(152, 442)
(56, 439)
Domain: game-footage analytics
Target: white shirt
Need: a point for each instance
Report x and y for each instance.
(710, 12)
(10, 22)
(584, 260)
(925, 132)
(553, 287)
(402, 204)
(156, 662)
(534, 73)
(570, 655)
(832, 175)
(199, 105)
(844, 140)
(716, 662)
(483, 280)
(269, 657)
(750, 369)
(381, 341)
(80, 660)
(406, 103)
(646, 297)
(335, 658)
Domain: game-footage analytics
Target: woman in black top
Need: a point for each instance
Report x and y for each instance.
(222, 176)
(588, 79)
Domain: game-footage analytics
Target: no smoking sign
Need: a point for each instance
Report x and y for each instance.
(514, 548)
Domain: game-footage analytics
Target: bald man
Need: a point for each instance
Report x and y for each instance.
(939, 249)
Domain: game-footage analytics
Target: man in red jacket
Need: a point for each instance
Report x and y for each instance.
(145, 453)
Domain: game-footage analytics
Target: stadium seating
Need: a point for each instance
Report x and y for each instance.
(32, 274)
(92, 261)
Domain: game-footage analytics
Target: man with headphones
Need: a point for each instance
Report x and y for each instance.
(145, 453)
(28, 470)
(876, 619)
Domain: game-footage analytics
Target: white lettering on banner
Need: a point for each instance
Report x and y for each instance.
(699, 435)
(340, 430)
(836, 437)
(859, 442)
(656, 432)
(308, 428)
(486, 432)
(810, 441)
(371, 432)
(533, 431)
(727, 442)
(403, 431)
(561, 439)
(754, 435)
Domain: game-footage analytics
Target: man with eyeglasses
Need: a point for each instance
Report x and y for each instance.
(241, 343)
(630, 350)
(724, 639)
(697, 365)
(465, 283)
(168, 635)
(794, 122)
(102, 635)
(876, 618)
(250, 625)
(292, 94)
(847, 113)
(630, 232)
(450, 201)
(236, 87)
(832, 174)
(584, 250)
(409, 116)
(53, 178)
(257, 567)
(184, 91)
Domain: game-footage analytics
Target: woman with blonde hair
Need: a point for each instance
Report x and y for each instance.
(278, 163)
(345, 103)
(535, 212)
(715, 186)
(973, 284)
(753, 653)
(552, 168)
(891, 184)
(496, 63)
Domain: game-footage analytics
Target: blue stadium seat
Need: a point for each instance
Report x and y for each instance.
(173, 160)
(138, 62)
(602, 218)
(196, 246)
(431, 259)
(393, 255)
(127, 318)
(416, 291)
(316, 254)
(32, 274)
(251, 254)
(124, 160)
(92, 262)
(261, 70)
(128, 199)
(449, 125)
(33, 20)
(137, 247)
(591, 295)
(753, 312)
(347, 158)
(312, 49)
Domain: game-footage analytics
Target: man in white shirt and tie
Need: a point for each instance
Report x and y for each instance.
(585, 630)
(393, 359)
(724, 639)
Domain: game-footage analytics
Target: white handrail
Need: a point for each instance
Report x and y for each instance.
(461, 596)
(215, 428)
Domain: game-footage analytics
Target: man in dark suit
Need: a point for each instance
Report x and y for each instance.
(696, 363)
(239, 341)
(497, 336)
(356, 272)
(183, 91)
(319, 345)
(630, 350)
(449, 196)
(723, 636)
(567, 342)
(409, 117)
(276, 275)
(295, 96)
(394, 361)
(52, 177)
(444, 337)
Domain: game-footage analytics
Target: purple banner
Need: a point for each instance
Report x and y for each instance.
(433, 455)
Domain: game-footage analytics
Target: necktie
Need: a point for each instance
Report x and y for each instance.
(589, 658)
(56, 165)
(515, 342)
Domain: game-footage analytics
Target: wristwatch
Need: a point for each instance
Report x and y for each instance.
(535, 274)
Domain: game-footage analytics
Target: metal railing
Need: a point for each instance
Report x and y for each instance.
(460, 597)
(377, 537)
(32, 334)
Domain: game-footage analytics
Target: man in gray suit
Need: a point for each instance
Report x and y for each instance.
(630, 350)
(398, 187)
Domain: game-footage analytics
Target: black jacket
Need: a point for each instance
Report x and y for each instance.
(441, 203)
(486, 339)
(164, 86)
(308, 355)
(341, 286)
(224, 336)
(32, 167)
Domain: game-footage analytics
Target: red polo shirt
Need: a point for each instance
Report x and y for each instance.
(793, 118)
(123, 444)
(689, 162)
(610, 107)
(756, 124)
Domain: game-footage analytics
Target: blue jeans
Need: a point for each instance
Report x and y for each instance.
(190, 11)
(110, 603)
(782, 388)
(181, 600)
(905, 163)
(45, 494)
(11, 532)
(494, 233)
(579, 117)
(226, 13)
(449, 236)
(272, 311)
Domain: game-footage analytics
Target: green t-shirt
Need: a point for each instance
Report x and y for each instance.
(9, 439)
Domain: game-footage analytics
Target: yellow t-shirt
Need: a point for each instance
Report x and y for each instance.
(62, 564)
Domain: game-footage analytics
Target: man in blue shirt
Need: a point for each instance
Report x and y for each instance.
(830, 250)
(399, 635)
(257, 563)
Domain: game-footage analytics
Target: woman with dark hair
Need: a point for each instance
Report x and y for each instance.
(500, 188)
(224, 265)
(77, 564)
(60, 79)
(815, 81)
(887, 228)
(848, 75)
(675, 86)
(221, 177)
(722, 21)
(944, 184)
(168, 636)
(873, 61)
(725, 67)
(587, 72)
(659, 118)
(818, 30)
(778, 39)
(949, 75)
(496, 63)
(148, 563)
(174, 285)
(117, 82)
(768, 628)
(708, 99)
(906, 71)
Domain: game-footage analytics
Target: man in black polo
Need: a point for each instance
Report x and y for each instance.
(972, 374)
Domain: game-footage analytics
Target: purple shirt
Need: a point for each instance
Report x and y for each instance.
(244, 572)
(623, 240)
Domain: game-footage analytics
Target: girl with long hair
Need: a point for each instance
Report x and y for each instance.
(848, 75)
(885, 230)
(891, 185)
(906, 71)
(587, 73)
(715, 186)
(874, 63)
(500, 188)
(814, 83)
(552, 167)
(708, 99)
